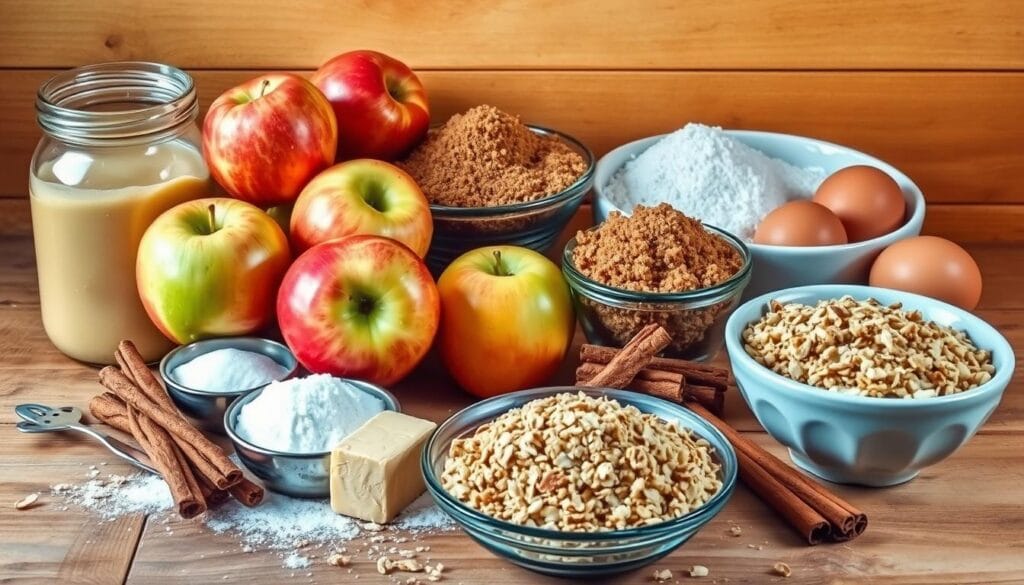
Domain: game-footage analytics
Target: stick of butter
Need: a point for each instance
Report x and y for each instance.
(375, 471)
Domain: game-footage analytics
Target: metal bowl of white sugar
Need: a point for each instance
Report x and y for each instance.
(203, 378)
(305, 473)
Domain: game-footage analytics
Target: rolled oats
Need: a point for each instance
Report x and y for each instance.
(867, 349)
(579, 463)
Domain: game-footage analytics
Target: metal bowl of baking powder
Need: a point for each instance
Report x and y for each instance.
(301, 475)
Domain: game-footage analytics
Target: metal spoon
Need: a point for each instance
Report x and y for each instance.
(38, 418)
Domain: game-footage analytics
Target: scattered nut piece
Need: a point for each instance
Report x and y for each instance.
(662, 575)
(782, 569)
(735, 531)
(699, 571)
(371, 527)
(408, 566)
(384, 565)
(27, 502)
(339, 560)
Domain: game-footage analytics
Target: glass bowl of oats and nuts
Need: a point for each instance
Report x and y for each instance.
(866, 385)
(576, 483)
(656, 266)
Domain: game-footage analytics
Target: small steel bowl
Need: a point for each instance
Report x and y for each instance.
(205, 407)
(300, 475)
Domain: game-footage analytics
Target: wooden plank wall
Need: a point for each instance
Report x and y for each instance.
(934, 87)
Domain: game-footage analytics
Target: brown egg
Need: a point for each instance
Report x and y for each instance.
(867, 200)
(930, 266)
(800, 223)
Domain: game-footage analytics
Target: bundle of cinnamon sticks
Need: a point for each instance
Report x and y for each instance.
(196, 470)
(814, 512)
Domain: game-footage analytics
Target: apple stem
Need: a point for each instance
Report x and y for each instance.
(263, 87)
(213, 218)
(499, 267)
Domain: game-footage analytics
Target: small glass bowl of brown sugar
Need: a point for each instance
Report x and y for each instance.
(657, 266)
(492, 180)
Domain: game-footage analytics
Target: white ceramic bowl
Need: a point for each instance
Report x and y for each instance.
(862, 440)
(778, 267)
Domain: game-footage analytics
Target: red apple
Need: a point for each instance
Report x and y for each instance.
(507, 319)
(361, 307)
(265, 139)
(380, 104)
(210, 268)
(362, 197)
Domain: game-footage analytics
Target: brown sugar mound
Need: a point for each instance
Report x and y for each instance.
(486, 157)
(657, 249)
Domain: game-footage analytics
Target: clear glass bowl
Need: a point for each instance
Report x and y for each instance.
(575, 554)
(532, 224)
(695, 319)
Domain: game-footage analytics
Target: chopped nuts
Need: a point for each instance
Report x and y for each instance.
(699, 571)
(662, 575)
(339, 560)
(408, 565)
(384, 565)
(371, 527)
(735, 531)
(543, 465)
(867, 349)
(782, 569)
(27, 502)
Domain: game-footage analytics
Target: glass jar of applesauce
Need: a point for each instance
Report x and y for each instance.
(120, 146)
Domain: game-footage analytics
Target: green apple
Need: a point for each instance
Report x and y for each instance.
(210, 268)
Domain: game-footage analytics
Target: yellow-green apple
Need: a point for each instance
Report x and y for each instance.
(361, 307)
(380, 104)
(210, 268)
(265, 139)
(506, 320)
(362, 197)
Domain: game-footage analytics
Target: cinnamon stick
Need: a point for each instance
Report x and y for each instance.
(109, 409)
(811, 525)
(248, 493)
(134, 367)
(671, 386)
(164, 459)
(213, 496)
(667, 385)
(696, 373)
(172, 422)
(846, 521)
(633, 357)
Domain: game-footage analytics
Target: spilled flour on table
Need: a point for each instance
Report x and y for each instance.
(290, 525)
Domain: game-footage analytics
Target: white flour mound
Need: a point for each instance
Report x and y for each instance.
(703, 172)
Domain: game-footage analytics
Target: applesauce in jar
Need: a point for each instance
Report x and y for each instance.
(120, 147)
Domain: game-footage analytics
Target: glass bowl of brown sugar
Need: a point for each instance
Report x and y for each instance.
(657, 266)
(492, 180)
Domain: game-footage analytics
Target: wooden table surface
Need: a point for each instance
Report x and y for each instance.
(961, 521)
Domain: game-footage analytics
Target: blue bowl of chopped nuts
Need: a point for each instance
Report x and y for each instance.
(579, 508)
(866, 385)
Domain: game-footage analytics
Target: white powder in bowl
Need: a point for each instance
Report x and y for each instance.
(305, 415)
(703, 172)
(228, 370)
